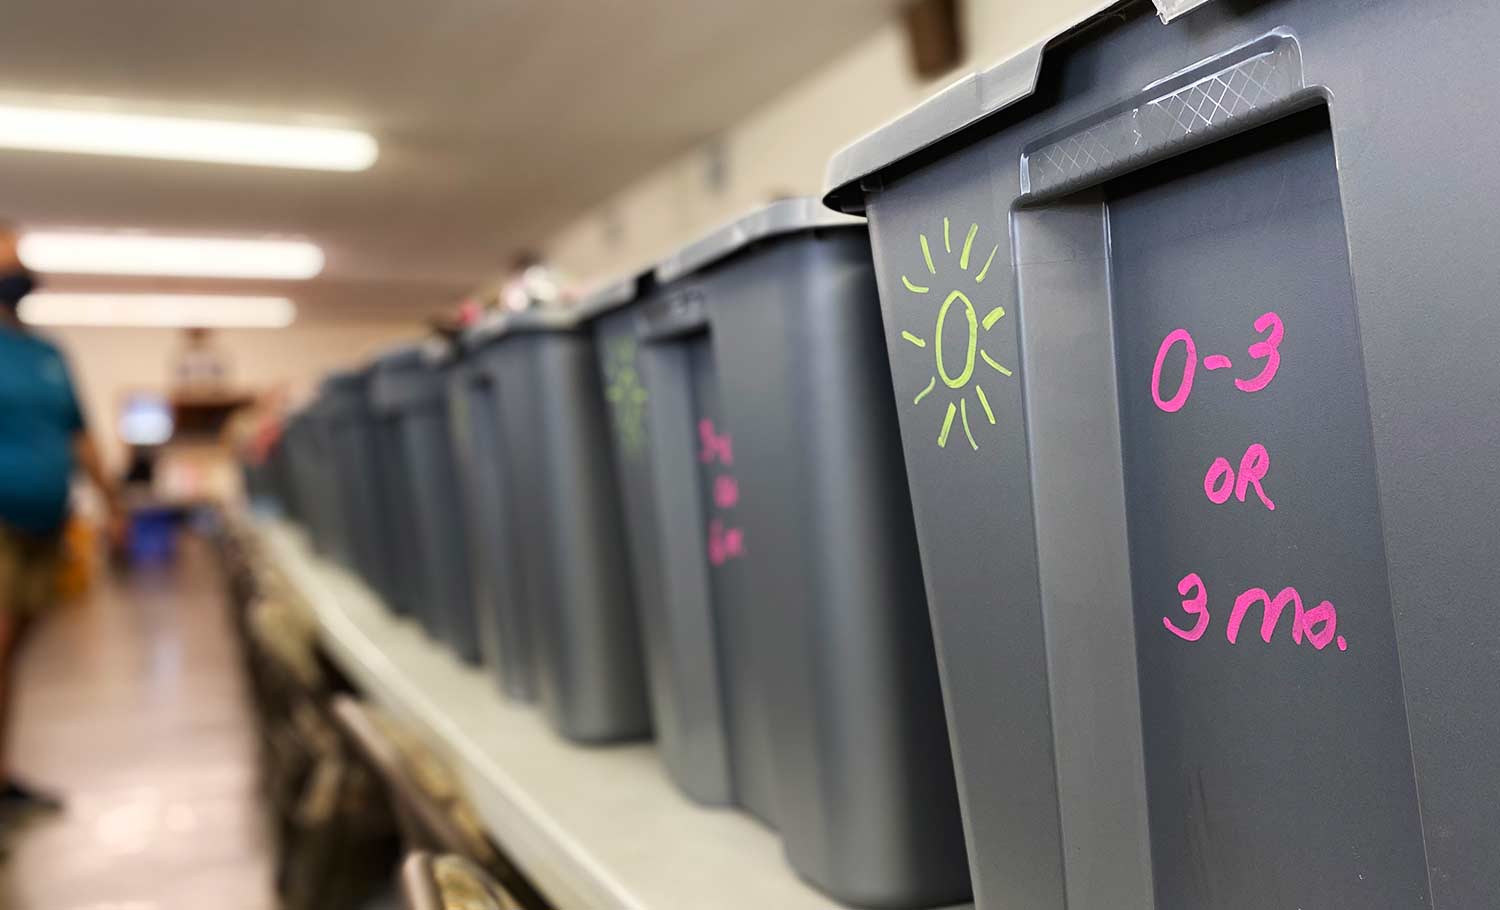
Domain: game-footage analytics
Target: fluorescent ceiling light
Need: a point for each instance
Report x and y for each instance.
(209, 311)
(184, 139)
(140, 254)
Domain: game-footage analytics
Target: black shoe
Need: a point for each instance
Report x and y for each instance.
(19, 800)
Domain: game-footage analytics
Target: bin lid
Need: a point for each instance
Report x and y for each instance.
(787, 216)
(321, 407)
(408, 376)
(422, 354)
(300, 414)
(489, 326)
(501, 325)
(345, 391)
(352, 380)
(607, 297)
(406, 356)
(614, 294)
(953, 109)
(346, 378)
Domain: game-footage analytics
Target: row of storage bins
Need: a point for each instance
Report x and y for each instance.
(677, 510)
(1138, 359)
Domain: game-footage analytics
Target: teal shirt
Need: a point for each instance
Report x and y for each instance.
(39, 418)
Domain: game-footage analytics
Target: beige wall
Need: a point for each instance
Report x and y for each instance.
(783, 148)
(110, 363)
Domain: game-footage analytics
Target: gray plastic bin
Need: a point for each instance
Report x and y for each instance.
(1244, 261)
(323, 417)
(284, 461)
(278, 474)
(410, 388)
(784, 520)
(400, 584)
(351, 445)
(290, 453)
(678, 624)
(499, 594)
(565, 520)
(262, 487)
(315, 495)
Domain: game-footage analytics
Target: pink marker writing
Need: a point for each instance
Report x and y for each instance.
(1220, 481)
(1319, 626)
(1268, 349)
(716, 446)
(1197, 605)
(724, 545)
(726, 491)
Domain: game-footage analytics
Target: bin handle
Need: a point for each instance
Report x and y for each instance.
(673, 315)
(1229, 93)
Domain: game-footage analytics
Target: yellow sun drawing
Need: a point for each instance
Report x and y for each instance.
(960, 380)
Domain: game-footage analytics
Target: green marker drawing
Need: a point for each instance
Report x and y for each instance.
(626, 394)
(979, 279)
(998, 368)
(962, 379)
(956, 370)
(963, 260)
(984, 402)
(947, 425)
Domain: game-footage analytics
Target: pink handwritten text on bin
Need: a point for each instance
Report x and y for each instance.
(716, 446)
(724, 544)
(1221, 481)
(1318, 626)
(1197, 605)
(1267, 349)
(726, 491)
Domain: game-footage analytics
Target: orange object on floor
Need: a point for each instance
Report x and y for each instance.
(79, 568)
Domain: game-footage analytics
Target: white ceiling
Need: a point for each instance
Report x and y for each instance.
(498, 119)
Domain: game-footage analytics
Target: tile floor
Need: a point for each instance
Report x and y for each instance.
(132, 704)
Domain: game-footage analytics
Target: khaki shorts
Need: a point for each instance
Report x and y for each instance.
(30, 568)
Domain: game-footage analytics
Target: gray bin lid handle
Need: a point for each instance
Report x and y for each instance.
(954, 108)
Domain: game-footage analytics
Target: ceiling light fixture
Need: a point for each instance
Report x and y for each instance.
(185, 139)
(192, 257)
(209, 311)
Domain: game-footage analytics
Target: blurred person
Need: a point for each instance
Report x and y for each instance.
(43, 438)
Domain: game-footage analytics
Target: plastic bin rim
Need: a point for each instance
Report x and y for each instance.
(344, 393)
(321, 406)
(426, 353)
(952, 109)
(345, 380)
(539, 320)
(786, 216)
(613, 294)
(403, 356)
